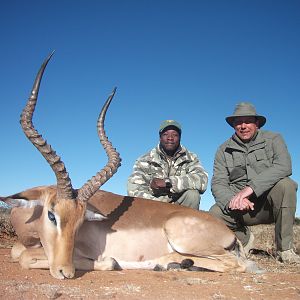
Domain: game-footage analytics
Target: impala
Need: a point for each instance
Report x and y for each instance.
(63, 229)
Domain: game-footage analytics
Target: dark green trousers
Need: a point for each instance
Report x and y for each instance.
(278, 205)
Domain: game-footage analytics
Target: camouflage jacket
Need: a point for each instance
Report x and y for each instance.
(184, 171)
(259, 164)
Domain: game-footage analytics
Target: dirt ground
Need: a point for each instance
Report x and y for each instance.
(278, 282)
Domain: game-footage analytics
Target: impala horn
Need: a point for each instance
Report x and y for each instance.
(114, 160)
(64, 185)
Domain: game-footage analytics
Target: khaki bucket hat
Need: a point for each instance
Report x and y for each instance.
(245, 109)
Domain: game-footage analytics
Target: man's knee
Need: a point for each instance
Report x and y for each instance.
(193, 195)
(190, 198)
(287, 184)
(216, 211)
(284, 193)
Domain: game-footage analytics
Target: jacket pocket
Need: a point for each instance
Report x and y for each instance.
(262, 160)
(237, 172)
(238, 159)
(260, 154)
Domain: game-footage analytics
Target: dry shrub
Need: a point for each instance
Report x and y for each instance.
(5, 225)
(265, 237)
(7, 232)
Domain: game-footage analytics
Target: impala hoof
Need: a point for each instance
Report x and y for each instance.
(174, 266)
(199, 269)
(159, 268)
(115, 265)
(186, 263)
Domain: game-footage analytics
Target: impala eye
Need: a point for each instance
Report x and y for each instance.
(51, 217)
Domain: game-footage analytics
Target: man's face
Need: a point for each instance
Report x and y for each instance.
(245, 127)
(170, 140)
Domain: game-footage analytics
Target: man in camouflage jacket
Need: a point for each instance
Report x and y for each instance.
(251, 183)
(169, 172)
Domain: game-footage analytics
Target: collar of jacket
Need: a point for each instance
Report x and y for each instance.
(157, 154)
(176, 154)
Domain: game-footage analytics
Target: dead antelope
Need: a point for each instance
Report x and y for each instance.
(65, 229)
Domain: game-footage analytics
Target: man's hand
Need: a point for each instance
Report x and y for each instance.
(157, 184)
(241, 200)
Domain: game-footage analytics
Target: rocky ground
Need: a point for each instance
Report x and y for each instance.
(278, 282)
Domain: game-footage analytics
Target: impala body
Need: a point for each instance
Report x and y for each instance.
(65, 229)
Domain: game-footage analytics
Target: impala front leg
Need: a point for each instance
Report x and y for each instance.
(34, 258)
(102, 264)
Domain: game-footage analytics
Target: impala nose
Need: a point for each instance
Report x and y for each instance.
(63, 272)
(68, 271)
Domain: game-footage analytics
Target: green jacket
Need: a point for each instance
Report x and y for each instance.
(259, 164)
(184, 171)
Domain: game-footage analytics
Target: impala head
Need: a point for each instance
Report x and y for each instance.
(64, 209)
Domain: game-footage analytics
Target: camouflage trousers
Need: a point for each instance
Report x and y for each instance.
(278, 206)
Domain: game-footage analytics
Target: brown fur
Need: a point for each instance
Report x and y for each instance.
(138, 233)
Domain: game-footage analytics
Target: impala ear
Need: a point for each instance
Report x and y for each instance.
(35, 193)
(22, 203)
(94, 216)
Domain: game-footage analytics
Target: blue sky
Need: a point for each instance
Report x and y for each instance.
(187, 60)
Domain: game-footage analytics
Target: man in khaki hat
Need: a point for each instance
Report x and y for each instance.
(169, 172)
(251, 183)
